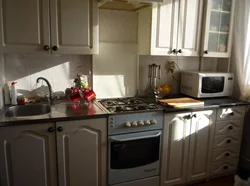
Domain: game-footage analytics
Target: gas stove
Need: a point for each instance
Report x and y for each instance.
(119, 105)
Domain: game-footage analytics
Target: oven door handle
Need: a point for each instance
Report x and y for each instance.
(135, 138)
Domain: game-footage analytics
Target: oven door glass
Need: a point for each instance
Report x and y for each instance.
(134, 152)
(212, 84)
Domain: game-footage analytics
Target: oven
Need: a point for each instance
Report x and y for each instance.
(134, 146)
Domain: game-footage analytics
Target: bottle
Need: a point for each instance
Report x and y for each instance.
(6, 91)
(13, 93)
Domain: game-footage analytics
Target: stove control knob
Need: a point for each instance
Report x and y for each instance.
(134, 124)
(128, 124)
(147, 122)
(153, 121)
(140, 123)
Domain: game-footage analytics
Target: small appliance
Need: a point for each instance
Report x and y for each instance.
(206, 84)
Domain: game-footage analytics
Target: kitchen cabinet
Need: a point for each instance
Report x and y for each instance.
(227, 140)
(171, 28)
(82, 152)
(218, 28)
(72, 153)
(201, 144)
(187, 146)
(28, 155)
(57, 26)
(176, 136)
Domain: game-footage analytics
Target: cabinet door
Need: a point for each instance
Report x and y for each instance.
(176, 133)
(164, 28)
(28, 155)
(82, 152)
(25, 26)
(201, 144)
(189, 28)
(218, 28)
(74, 26)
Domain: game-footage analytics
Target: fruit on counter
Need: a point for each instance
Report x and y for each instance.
(166, 89)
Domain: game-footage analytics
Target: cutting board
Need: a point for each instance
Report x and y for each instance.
(182, 102)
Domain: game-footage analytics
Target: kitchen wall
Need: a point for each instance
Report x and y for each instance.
(1, 80)
(115, 68)
(184, 63)
(58, 69)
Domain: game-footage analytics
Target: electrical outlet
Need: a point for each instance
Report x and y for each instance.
(171, 66)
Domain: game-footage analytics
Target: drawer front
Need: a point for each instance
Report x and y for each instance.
(224, 167)
(231, 113)
(229, 126)
(226, 153)
(227, 140)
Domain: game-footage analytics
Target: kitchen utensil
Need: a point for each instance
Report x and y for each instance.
(182, 102)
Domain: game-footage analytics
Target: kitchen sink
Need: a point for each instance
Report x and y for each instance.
(28, 110)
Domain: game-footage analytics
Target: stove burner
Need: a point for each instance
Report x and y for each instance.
(109, 103)
(127, 104)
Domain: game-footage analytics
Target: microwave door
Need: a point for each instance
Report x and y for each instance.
(212, 84)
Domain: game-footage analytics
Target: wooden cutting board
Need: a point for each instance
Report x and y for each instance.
(182, 102)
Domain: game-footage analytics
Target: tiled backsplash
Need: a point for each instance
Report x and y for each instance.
(58, 69)
(184, 63)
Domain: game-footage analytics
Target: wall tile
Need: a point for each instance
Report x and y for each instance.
(184, 63)
(58, 69)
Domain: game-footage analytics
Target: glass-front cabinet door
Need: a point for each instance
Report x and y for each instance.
(219, 28)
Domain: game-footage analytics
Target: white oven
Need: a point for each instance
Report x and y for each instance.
(134, 150)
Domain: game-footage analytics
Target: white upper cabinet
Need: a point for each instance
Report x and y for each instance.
(217, 40)
(164, 28)
(189, 29)
(74, 26)
(25, 26)
(174, 29)
(57, 26)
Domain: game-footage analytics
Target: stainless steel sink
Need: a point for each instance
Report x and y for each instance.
(28, 110)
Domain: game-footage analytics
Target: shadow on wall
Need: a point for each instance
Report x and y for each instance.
(60, 70)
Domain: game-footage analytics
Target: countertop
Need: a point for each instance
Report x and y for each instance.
(65, 111)
(60, 111)
(209, 103)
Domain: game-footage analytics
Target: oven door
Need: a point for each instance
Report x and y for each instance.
(134, 156)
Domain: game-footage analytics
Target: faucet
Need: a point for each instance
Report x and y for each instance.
(49, 86)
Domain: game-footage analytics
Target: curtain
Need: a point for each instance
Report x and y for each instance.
(241, 48)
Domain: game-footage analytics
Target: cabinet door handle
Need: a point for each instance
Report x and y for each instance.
(179, 51)
(55, 48)
(232, 113)
(229, 141)
(230, 127)
(51, 129)
(194, 116)
(174, 51)
(227, 154)
(225, 167)
(59, 129)
(46, 47)
(206, 52)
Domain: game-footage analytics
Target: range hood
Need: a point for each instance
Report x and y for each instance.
(127, 5)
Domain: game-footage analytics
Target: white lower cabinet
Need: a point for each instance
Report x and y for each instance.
(201, 144)
(28, 155)
(82, 152)
(187, 146)
(75, 152)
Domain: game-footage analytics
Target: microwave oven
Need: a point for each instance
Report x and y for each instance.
(206, 84)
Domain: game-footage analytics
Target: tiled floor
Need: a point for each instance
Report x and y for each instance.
(224, 181)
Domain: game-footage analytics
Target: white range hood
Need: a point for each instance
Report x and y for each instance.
(127, 5)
